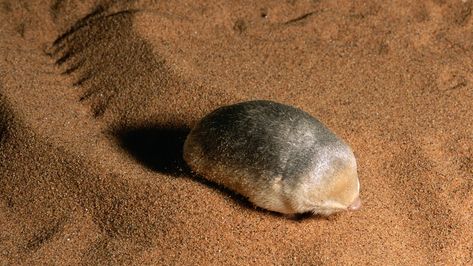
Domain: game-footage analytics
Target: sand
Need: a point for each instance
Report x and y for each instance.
(96, 98)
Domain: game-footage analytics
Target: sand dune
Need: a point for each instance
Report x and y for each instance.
(96, 98)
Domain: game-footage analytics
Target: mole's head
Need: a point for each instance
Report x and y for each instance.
(337, 190)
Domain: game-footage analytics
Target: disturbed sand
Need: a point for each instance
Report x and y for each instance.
(96, 98)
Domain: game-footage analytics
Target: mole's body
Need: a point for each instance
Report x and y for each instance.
(279, 157)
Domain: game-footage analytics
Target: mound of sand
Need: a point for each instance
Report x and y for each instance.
(96, 98)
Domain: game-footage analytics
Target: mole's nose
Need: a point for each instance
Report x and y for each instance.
(355, 205)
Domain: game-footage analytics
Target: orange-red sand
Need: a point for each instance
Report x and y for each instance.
(96, 98)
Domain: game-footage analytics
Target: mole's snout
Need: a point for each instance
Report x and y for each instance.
(356, 205)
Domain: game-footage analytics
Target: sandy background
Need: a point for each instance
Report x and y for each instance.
(97, 96)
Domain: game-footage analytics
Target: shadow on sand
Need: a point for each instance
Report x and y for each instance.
(157, 148)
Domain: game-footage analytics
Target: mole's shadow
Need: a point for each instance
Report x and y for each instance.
(161, 149)
(157, 148)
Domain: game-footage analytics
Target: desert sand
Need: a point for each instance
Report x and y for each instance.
(96, 98)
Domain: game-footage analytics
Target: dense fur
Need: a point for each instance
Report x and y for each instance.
(278, 156)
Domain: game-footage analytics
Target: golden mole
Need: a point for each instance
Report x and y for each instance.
(278, 156)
